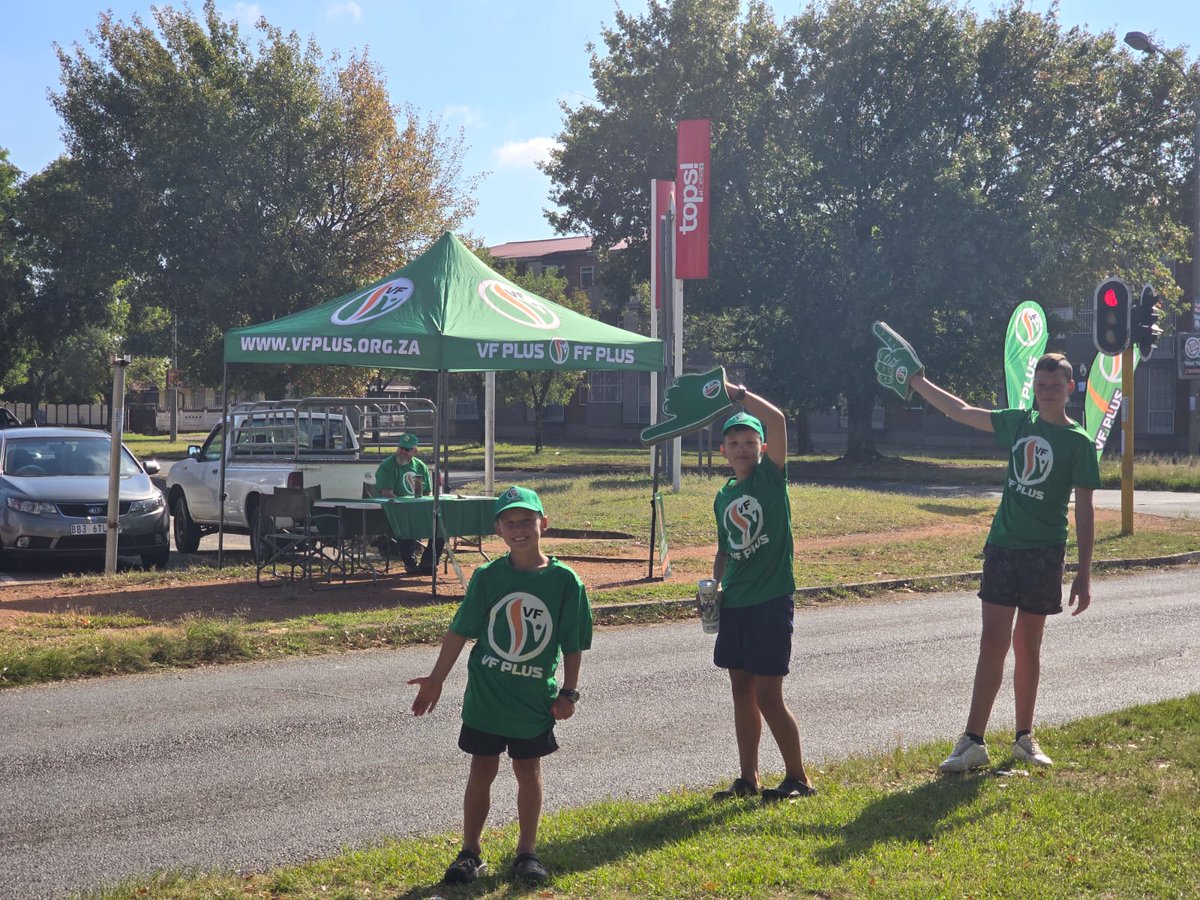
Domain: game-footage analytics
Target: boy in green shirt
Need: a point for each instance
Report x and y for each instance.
(754, 568)
(404, 474)
(1049, 455)
(521, 609)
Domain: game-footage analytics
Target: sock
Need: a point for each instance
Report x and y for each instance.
(1022, 733)
(978, 739)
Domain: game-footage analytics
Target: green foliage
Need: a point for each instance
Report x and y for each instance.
(233, 183)
(903, 160)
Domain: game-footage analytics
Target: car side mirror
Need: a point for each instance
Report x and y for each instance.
(151, 466)
(193, 451)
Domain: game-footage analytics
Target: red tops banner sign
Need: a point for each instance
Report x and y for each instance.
(693, 179)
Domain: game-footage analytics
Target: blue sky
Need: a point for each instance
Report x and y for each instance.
(496, 68)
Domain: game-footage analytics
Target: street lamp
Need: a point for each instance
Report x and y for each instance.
(1141, 42)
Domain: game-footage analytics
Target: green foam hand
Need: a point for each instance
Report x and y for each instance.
(896, 362)
(691, 402)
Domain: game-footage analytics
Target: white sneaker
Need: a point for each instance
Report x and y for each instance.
(1026, 748)
(967, 755)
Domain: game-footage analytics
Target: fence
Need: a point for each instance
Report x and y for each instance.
(88, 415)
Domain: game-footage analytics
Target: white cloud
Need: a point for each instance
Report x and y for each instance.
(245, 14)
(524, 154)
(344, 12)
(462, 115)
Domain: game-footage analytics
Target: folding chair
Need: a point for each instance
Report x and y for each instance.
(290, 543)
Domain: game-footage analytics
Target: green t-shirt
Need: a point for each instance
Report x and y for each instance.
(519, 621)
(401, 478)
(1045, 462)
(754, 529)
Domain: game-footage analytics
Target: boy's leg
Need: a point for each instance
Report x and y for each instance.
(1027, 653)
(529, 801)
(781, 721)
(994, 642)
(747, 722)
(477, 799)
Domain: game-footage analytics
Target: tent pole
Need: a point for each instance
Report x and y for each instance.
(226, 444)
(489, 433)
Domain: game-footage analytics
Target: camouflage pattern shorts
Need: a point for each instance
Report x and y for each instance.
(1031, 580)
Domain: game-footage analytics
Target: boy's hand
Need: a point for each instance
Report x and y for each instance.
(429, 691)
(1081, 590)
(896, 362)
(562, 708)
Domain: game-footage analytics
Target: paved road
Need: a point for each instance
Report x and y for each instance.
(257, 765)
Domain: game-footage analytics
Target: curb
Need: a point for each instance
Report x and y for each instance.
(926, 582)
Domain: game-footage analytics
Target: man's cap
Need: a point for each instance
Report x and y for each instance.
(518, 498)
(408, 441)
(743, 419)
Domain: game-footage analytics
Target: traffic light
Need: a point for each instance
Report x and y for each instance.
(1111, 325)
(1146, 330)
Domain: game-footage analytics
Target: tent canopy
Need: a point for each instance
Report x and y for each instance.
(445, 311)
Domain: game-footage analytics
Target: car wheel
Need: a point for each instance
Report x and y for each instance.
(261, 529)
(156, 559)
(187, 532)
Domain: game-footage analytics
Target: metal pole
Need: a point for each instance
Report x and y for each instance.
(117, 427)
(489, 433)
(226, 449)
(1194, 406)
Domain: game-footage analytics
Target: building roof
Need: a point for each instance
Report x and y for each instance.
(536, 249)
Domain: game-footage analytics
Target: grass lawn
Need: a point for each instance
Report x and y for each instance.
(1118, 816)
(844, 536)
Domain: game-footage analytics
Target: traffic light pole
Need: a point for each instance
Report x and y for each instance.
(1127, 441)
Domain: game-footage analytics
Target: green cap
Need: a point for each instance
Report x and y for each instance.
(745, 420)
(408, 441)
(518, 498)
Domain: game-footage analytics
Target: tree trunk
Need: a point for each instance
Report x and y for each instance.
(803, 443)
(860, 440)
(481, 407)
(538, 412)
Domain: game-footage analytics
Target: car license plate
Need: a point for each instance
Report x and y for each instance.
(90, 528)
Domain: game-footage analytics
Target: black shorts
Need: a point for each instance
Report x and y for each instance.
(756, 639)
(1031, 580)
(484, 743)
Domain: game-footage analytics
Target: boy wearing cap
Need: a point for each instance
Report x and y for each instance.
(404, 474)
(754, 568)
(521, 609)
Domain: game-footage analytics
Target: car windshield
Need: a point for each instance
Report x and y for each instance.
(38, 457)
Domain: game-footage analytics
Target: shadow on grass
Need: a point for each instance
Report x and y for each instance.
(942, 509)
(595, 848)
(919, 815)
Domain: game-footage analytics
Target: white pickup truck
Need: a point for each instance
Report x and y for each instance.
(275, 445)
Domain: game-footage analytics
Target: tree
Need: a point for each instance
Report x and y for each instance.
(14, 275)
(239, 184)
(538, 389)
(881, 159)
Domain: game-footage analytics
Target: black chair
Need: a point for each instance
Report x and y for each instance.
(291, 543)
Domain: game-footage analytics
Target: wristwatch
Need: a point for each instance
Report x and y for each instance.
(570, 693)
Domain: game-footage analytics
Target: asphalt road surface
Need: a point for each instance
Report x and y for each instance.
(252, 766)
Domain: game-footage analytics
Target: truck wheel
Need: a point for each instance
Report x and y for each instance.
(187, 532)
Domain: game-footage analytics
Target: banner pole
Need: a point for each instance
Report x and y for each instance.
(1127, 365)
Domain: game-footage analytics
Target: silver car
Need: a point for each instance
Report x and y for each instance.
(54, 498)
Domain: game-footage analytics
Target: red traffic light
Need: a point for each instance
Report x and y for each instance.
(1110, 297)
(1111, 319)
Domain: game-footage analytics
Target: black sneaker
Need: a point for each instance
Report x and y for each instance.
(789, 789)
(528, 868)
(465, 868)
(740, 788)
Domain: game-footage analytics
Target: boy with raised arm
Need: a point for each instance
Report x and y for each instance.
(1023, 559)
(754, 568)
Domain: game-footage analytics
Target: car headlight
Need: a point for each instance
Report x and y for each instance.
(154, 504)
(35, 507)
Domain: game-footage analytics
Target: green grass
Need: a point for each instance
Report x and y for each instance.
(845, 536)
(1118, 816)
